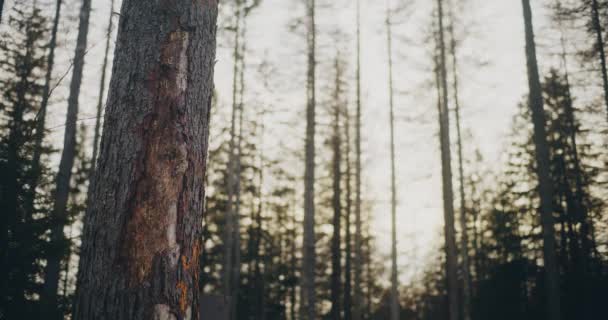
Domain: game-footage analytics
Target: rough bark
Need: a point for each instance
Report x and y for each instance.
(464, 238)
(446, 167)
(394, 298)
(336, 254)
(597, 27)
(545, 186)
(357, 297)
(308, 300)
(102, 90)
(41, 117)
(142, 229)
(62, 183)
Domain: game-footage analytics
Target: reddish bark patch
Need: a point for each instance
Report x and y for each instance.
(153, 225)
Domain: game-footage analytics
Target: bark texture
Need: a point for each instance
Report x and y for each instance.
(545, 186)
(142, 233)
(446, 167)
(64, 175)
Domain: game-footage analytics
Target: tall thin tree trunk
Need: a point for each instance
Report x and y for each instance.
(230, 222)
(545, 187)
(336, 256)
(347, 227)
(1, 9)
(464, 238)
(102, 89)
(41, 117)
(308, 300)
(142, 230)
(597, 26)
(394, 302)
(446, 165)
(62, 186)
(358, 294)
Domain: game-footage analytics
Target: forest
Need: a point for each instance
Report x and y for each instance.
(303, 159)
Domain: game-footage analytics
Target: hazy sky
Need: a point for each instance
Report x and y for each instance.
(489, 94)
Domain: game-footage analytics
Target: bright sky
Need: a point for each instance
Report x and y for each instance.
(489, 94)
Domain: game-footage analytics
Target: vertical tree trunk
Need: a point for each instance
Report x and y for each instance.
(308, 256)
(142, 229)
(347, 226)
(464, 238)
(230, 229)
(545, 186)
(102, 89)
(357, 297)
(597, 26)
(62, 184)
(1, 7)
(394, 299)
(446, 165)
(41, 117)
(336, 256)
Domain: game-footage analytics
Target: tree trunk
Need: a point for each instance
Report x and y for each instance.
(464, 239)
(308, 256)
(1, 7)
(230, 224)
(142, 229)
(545, 186)
(41, 117)
(336, 256)
(358, 294)
(62, 183)
(394, 299)
(348, 214)
(597, 26)
(446, 165)
(102, 89)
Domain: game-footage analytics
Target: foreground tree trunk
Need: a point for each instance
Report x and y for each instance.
(545, 186)
(142, 229)
(446, 166)
(64, 175)
(394, 302)
(347, 222)
(308, 300)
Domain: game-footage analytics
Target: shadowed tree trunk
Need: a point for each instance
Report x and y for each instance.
(142, 229)
(308, 300)
(545, 186)
(336, 256)
(102, 89)
(446, 167)
(358, 293)
(394, 299)
(347, 222)
(597, 27)
(464, 239)
(41, 117)
(62, 183)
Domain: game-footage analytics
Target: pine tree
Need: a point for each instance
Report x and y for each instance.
(22, 62)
